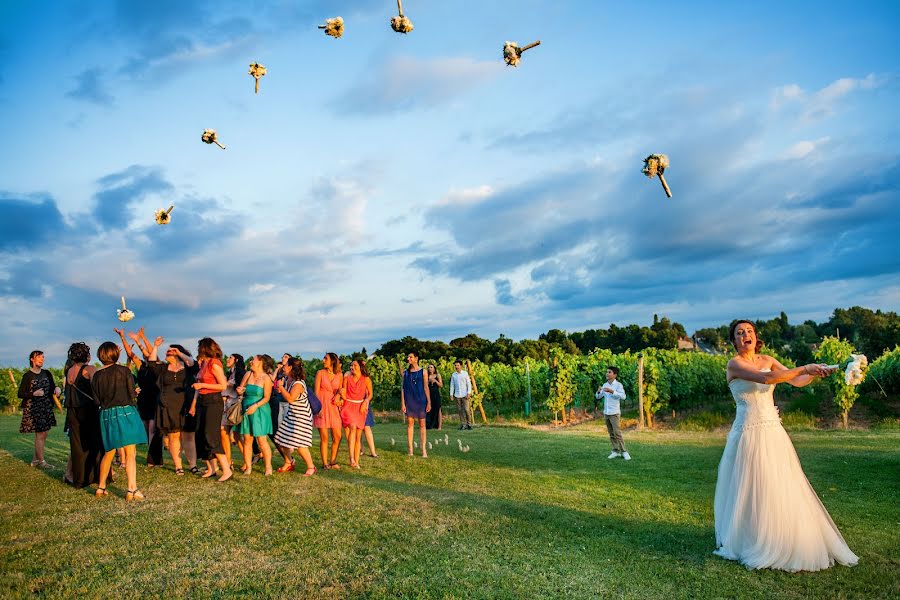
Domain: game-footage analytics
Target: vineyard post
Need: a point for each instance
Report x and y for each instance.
(528, 378)
(475, 389)
(640, 387)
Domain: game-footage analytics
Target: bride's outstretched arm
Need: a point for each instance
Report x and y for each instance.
(739, 370)
(800, 380)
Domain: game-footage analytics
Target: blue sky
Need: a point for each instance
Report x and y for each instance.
(383, 185)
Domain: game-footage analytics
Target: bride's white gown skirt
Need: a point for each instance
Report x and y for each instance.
(767, 514)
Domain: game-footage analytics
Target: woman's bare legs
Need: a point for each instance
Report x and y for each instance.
(188, 442)
(351, 445)
(40, 440)
(131, 466)
(266, 449)
(323, 446)
(307, 458)
(410, 424)
(175, 448)
(335, 444)
(247, 448)
(423, 437)
(106, 467)
(370, 440)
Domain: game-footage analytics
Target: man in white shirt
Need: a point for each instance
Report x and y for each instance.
(461, 390)
(613, 393)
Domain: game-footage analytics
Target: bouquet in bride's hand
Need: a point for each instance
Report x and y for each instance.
(854, 369)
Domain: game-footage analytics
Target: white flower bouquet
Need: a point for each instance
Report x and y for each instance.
(854, 369)
(209, 137)
(163, 216)
(333, 27)
(512, 53)
(654, 166)
(123, 313)
(401, 23)
(256, 71)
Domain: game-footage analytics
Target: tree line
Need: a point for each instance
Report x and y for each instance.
(870, 332)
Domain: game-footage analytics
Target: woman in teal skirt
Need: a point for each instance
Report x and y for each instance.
(120, 422)
(257, 422)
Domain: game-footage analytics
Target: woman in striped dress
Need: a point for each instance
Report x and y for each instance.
(295, 430)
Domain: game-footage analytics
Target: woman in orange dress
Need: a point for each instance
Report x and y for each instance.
(328, 388)
(357, 393)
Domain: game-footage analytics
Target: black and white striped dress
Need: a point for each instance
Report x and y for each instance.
(296, 427)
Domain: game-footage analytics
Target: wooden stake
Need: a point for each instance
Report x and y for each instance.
(475, 390)
(641, 392)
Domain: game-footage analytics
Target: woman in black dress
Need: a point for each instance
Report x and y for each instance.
(36, 390)
(434, 419)
(82, 418)
(174, 380)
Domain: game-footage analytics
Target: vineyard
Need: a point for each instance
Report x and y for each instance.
(672, 381)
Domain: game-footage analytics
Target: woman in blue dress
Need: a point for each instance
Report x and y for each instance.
(414, 401)
(257, 422)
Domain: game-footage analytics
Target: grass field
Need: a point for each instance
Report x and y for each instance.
(525, 514)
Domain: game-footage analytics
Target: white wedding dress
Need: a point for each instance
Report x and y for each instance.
(767, 514)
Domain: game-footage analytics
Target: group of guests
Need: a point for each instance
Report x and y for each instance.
(198, 408)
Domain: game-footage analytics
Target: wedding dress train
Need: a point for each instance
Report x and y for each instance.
(767, 515)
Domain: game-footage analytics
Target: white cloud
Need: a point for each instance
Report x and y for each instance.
(403, 83)
(804, 148)
(821, 103)
(465, 196)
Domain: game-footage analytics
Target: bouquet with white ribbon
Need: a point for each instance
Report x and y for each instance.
(333, 27)
(854, 369)
(401, 23)
(512, 53)
(123, 313)
(654, 166)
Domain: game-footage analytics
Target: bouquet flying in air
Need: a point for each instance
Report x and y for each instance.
(164, 216)
(654, 166)
(256, 71)
(209, 137)
(512, 53)
(123, 313)
(333, 27)
(401, 23)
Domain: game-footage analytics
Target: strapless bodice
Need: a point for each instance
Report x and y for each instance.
(755, 404)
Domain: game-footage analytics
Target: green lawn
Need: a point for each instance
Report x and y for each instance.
(525, 514)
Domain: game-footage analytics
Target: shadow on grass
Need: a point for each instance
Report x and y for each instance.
(542, 523)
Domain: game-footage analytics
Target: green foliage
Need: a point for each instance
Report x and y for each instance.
(704, 421)
(798, 421)
(885, 370)
(836, 351)
(562, 381)
(9, 393)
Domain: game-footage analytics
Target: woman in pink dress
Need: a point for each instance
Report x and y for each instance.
(328, 388)
(356, 393)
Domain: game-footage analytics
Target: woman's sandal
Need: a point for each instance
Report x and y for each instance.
(101, 491)
(334, 465)
(310, 471)
(209, 473)
(195, 470)
(179, 471)
(134, 495)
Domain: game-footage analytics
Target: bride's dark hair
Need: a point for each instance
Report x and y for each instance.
(734, 325)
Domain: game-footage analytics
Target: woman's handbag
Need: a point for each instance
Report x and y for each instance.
(315, 405)
(235, 414)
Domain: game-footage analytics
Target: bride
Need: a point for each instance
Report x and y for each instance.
(767, 514)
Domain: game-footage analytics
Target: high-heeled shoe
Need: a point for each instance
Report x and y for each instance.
(134, 495)
(101, 492)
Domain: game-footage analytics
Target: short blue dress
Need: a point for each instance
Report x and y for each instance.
(260, 422)
(414, 393)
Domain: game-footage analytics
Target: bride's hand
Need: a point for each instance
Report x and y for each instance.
(817, 370)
